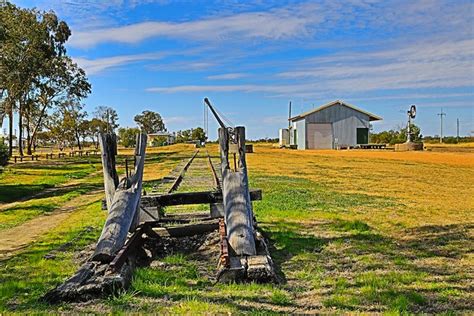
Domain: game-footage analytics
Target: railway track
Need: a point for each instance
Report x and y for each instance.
(194, 173)
(140, 226)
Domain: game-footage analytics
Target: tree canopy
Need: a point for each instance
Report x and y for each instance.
(150, 122)
(194, 134)
(109, 118)
(128, 136)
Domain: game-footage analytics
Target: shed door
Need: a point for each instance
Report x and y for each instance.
(319, 135)
(362, 136)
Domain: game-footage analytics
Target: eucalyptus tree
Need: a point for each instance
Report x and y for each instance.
(150, 122)
(36, 72)
(108, 116)
(67, 123)
(64, 80)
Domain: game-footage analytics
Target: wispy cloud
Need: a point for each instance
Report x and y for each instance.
(94, 66)
(313, 19)
(229, 76)
(276, 24)
(248, 88)
(423, 65)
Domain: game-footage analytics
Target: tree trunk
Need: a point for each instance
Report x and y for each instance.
(28, 137)
(37, 126)
(78, 139)
(10, 132)
(20, 128)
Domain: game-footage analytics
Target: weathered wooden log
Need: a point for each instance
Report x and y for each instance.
(108, 146)
(140, 216)
(235, 192)
(123, 209)
(204, 197)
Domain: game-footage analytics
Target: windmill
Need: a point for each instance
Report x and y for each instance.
(411, 115)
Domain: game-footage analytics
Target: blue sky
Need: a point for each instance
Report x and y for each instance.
(252, 57)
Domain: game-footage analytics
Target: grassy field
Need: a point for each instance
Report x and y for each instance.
(350, 231)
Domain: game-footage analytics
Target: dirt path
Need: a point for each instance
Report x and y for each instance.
(47, 191)
(16, 238)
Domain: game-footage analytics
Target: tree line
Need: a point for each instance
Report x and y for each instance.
(44, 87)
(393, 137)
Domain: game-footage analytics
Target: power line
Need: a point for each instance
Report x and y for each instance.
(441, 114)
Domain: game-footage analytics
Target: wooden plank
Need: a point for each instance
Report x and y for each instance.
(187, 230)
(191, 215)
(204, 197)
(130, 247)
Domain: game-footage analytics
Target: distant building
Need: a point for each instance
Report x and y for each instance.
(161, 138)
(333, 125)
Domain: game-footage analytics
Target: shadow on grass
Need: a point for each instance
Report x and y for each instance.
(14, 192)
(24, 193)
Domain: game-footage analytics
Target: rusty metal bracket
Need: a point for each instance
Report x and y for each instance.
(224, 258)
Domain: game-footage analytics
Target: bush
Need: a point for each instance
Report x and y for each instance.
(4, 155)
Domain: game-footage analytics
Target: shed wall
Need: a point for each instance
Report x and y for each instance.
(300, 127)
(345, 122)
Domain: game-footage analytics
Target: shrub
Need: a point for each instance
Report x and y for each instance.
(4, 155)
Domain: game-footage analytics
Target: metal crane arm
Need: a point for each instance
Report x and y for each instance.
(208, 103)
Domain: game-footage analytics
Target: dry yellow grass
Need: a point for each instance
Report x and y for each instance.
(434, 188)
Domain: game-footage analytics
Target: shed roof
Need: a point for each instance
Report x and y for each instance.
(372, 117)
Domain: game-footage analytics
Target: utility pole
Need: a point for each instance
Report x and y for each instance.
(441, 125)
(289, 115)
(457, 130)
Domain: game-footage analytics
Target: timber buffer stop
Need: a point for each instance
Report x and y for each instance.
(138, 225)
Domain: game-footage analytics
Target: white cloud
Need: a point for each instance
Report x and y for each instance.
(94, 66)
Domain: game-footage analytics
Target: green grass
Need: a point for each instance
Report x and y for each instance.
(26, 277)
(26, 179)
(24, 211)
